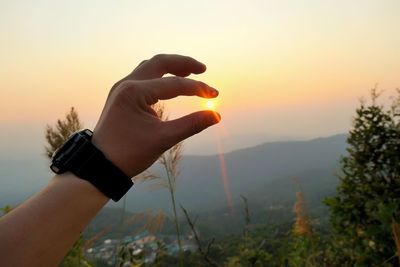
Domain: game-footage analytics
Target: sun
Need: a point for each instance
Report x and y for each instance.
(210, 104)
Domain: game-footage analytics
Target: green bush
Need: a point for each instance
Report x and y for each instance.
(368, 197)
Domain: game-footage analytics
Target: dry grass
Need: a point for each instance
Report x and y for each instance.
(302, 224)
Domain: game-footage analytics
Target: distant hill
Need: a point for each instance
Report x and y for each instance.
(204, 143)
(264, 172)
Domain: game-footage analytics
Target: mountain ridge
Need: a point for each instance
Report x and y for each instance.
(200, 181)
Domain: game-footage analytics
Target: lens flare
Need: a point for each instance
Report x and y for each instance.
(224, 175)
(212, 104)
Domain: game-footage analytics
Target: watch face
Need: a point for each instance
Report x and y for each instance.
(62, 156)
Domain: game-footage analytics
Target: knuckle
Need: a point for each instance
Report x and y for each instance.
(126, 85)
(181, 83)
(176, 81)
(158, 58)
(126, 90)
(138, 67)
(121, 84)
(159, 62)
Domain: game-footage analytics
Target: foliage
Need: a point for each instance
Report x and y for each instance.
(368, 197)
(250, 254)
(6, 209)
(308, 251)
(58, 134)
(126, 257)
(202, 251)
(75, 256)
(161, 254)
(187, 258)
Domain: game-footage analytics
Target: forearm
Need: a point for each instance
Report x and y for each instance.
(41, 230)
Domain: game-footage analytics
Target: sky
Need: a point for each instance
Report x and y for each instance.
(284, 69)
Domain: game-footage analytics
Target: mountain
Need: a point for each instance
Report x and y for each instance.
(264, 172)
(204, 143)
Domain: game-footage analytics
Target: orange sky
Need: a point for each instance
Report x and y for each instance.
(293, 68)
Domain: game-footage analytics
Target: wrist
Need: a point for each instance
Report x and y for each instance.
(79, 188)
(80, 156)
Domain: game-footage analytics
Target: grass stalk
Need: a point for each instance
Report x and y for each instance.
(172, 194)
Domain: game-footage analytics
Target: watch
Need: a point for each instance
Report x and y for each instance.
(81, 157)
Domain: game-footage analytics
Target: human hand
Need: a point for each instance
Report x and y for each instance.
(129, 132)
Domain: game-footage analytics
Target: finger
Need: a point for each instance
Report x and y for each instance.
(161, 64)
(170, 87)
(182, 128)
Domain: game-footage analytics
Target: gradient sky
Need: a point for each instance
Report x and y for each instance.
(283, 68)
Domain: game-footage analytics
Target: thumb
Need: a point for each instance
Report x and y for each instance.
(184, 127)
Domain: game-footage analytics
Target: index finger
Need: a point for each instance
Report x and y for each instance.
(162, 64)
(171, 87)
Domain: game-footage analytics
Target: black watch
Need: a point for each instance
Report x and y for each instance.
(79, 156)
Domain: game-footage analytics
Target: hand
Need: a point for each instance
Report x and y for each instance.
(129, 132)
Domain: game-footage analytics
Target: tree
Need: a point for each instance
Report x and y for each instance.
(368, 196)
(58, 134)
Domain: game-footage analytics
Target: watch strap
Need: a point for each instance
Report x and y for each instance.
(93, 166)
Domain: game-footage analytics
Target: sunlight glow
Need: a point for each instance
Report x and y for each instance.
(210, 104)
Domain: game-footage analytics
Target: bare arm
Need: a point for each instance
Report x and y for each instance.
(41, 230)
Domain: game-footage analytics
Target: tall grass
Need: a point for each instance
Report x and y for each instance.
(170, 162)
